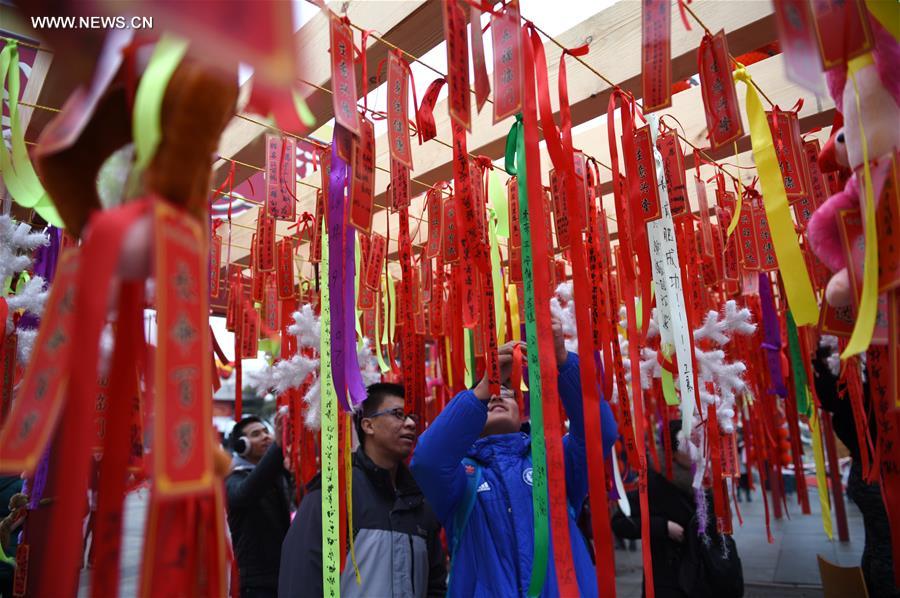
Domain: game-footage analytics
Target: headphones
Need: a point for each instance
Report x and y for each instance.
(242, 446)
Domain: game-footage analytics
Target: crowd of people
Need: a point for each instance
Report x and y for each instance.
(458, 519)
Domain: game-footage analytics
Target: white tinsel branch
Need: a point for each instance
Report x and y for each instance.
(290, 373)
(16, 244)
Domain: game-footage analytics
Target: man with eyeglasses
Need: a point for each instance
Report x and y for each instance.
(396, 534)
(474, 465)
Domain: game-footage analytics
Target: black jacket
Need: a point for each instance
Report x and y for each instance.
(396, 537)
(258, 502)
(667, 503)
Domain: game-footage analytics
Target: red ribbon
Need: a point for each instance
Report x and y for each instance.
(482, 81)
(425, 113)
(627, 278)
(116, 447)
(103, 240)
(559, 144)
(562, 554)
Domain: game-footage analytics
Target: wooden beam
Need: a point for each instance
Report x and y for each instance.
(687, 110)
(39, 70)
(614, 37)
(414, 25)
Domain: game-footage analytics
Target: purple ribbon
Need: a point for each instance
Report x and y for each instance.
(45, 257)
(45, 260)
(341, 270)
(772, 339)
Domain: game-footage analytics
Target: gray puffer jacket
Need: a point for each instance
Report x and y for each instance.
(396, 540)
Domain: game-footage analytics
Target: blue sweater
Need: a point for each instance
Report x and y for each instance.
(496, 550)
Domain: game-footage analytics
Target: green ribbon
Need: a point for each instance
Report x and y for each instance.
(331, 558)
(668, 386)
(497, 195)
(797, 367)
(147, 120)
(303, 111)
(18, 173)
(515, 163)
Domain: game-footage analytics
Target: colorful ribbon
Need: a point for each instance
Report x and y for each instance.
(18, 173)
(538, 448)
(331, 558)
(147, 116)
(800, 294)
(772, 338)
(674, 329)
(819, 455)
(864, 327)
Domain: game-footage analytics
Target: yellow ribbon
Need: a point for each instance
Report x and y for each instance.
(497, 281)
(448, 360)
(469, 357)
(821, 482)
(864, 327)
(512, 294)
(348, 495)
(740, 197)
(392, 320)
(382, 364)
(800, 295)
(886, 12)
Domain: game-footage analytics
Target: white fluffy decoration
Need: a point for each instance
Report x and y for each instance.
(562, 307)
(833, 361)
(285, 374)
(25, 344)
(17, 242)
(32, 298)
(726, 377)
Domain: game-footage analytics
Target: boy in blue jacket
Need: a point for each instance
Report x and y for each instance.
(495, 548)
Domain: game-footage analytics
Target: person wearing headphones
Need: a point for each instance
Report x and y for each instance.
(258, 502)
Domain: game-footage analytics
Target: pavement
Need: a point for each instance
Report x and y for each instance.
(786, 568)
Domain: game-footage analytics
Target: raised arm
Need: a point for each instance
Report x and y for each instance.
(245, 491)
(437, 460)
(574, 443)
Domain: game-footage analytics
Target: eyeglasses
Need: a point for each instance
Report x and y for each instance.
(398, 413)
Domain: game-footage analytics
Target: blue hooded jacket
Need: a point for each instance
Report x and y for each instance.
(496, 550)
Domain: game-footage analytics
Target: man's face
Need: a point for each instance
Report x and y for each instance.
(260, 440)
(503, 414)
(395, 436)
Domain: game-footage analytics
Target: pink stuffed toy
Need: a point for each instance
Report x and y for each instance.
(879, 103)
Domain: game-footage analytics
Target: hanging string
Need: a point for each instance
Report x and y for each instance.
(733, 59)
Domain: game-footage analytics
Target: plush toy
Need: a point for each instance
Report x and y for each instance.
(878, 110)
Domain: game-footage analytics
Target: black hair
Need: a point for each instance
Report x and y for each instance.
(376, 394)
(674, 429)
(238, 430)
